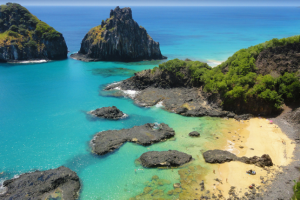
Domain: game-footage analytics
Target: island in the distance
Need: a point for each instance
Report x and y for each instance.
(118, 38)
(24, 37)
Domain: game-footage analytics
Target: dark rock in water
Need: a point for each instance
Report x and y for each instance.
(220, 156)
(118, 38)
(243, 117)
(43, 185)
(108, 112)
(24, 37)
(171, 158)
(278, 60)
(108, 141)
(194, 134)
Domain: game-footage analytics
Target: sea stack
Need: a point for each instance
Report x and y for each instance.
(24, 37)
(118, 38)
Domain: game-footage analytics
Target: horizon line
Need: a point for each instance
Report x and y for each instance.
(96, 5)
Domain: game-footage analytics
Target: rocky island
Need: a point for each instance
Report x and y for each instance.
(108, 141)
(257, 80)
(24, 37)
(108, 113)
(118, 38)
(60, 183)
(171, 158)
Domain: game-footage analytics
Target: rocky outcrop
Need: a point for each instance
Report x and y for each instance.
(118, 38)
(278, 60)
(108, 113)
(220, 156)
(171, 158)
(43, 185)
(108, 141)
(24, 37)
(194, 134)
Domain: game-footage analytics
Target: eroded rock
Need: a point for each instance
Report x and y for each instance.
(108, 113)
(194, 134)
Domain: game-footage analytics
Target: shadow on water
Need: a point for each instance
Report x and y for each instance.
(107, 72)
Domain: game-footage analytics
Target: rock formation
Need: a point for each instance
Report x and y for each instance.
(171, 158)
(194, 134)
(43, 185)
(220, 156)
(118, 38)
(24, 37)
(108, 141)
(108, 112)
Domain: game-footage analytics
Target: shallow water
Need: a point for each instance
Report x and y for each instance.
(43, 106)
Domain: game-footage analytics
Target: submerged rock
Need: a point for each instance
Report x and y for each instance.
(171, 158)
(108, 141)
(118, 38)
(108, 112)
(194, 134)
(24, 37)
(42, 185)
(220, 156)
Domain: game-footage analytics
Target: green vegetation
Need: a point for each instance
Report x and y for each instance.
(296, 189)
(19, 25)
(236, 78)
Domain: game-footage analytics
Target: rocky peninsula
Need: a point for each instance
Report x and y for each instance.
(235, 87)
(171, 158)
(108, 141)
(60, 183)
(118, 38)
(108, 113)
(24, 37)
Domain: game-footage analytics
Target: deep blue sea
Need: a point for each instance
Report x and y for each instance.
(43, 120)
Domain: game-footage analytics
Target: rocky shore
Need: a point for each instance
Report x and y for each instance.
(108, 141)
(171, 158)
(60, 183)
(118, 38)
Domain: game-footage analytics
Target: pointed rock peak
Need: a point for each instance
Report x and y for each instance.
(124, 13)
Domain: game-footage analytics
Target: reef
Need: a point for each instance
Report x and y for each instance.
(118, 38)
(171, 158)
(60, 183)
(147, 134)
(24, 37)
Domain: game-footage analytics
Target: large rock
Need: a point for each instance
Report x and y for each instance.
(40, 185)
(118, 38)
(171, 158)
(108, 112)
(220, 156)
(194, 134)
(108, 141)
(24, 37)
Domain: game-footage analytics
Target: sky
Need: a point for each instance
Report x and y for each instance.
(155, 2)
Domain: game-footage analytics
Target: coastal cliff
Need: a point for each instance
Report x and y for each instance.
(24, 37)
(256, 80)
(118, 38)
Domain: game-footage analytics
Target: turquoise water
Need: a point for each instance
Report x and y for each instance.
(43, 106)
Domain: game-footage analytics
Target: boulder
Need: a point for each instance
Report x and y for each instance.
(118, 38)
(171, 158)
(147, 134)
(108, 113)
(42, 185)
(194, 134)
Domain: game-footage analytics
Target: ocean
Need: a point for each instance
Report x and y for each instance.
(43, 120)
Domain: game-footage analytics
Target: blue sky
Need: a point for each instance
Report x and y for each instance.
(158, 2)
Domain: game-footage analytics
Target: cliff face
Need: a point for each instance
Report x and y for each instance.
(279, 59)
(24, 37)
(119, 38)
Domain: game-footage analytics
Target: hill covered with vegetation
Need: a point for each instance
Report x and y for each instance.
(24, 37)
